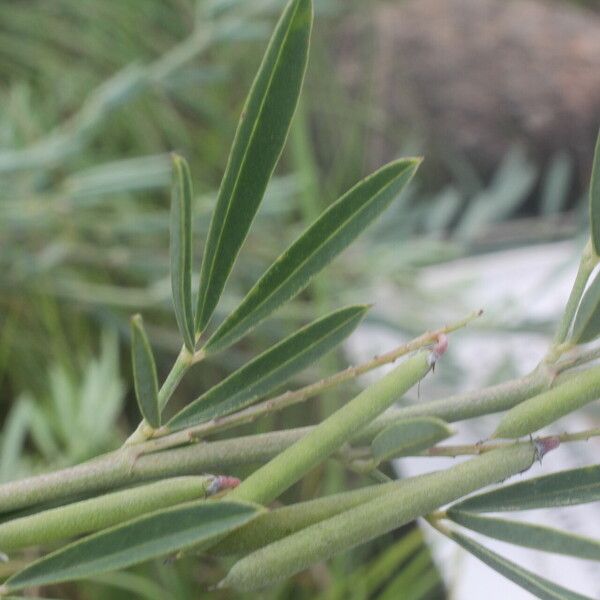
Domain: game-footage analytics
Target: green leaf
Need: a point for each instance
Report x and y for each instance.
(564, 488)
(181, 249)
(529, 535)
(595, 199)
(540, 587)
(151, 536)
(258, 142)
(271, 368)
(587, 321)
(409, 436)
(331, 233)
(144, 373)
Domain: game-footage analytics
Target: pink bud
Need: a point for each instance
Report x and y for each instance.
(220, 483)
(438, 349)
(545, 445)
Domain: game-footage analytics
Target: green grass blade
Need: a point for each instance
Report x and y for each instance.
(529, 535)
(272, 368)
(181, 250)
(144, 373)
(409, 436)
(331, 233)
(595, 199)
(137, 541)
(564, 488)
(538, 586)
(258, 142)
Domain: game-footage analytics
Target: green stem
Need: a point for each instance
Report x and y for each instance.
(318, 542)
(126, 466)
(276, 524)
(248, 415)
(180, 367)
(137, 463)
(94, 514)
(268, 482)
(547, 407)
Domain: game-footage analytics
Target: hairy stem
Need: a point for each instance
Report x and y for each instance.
(165, 439)
(283, 558)
(268, 482)
(98, 513)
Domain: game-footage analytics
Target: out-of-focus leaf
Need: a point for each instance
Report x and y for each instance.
(137, 541)
(510, 187)
(409, 436)
(538, 586)
(595, 198)
(331, 233)
(181, 250)
(565, 488)
(271, 368)
(144, 373)
(529, 535)
(587, 320)
(14, 433)
(556, 184)
(258, 142)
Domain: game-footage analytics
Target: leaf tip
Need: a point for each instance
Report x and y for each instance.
(136, 320)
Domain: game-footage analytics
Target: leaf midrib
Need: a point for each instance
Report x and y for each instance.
(245, 157)
(258, 306)
(282, 365)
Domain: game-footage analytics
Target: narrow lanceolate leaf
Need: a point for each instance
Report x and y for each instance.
(538, 586)
(331, 233)
(158, 534)
(595, 199)
(564, 488)
(408, 437)
(181, 250)
(144, 373)
(529, 535)
(587, 321)
(272, 368)
(258, 142)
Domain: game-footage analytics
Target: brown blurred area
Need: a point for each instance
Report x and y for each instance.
(477, 77)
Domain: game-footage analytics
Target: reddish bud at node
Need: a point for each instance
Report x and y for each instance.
(228, 483)
(545, 445)
(220, 483)
(438, 349)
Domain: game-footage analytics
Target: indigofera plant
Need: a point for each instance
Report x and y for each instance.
(124, 520)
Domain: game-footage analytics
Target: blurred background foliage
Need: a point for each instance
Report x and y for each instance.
(94, 96)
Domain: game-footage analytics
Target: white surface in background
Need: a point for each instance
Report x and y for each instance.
(531, 283)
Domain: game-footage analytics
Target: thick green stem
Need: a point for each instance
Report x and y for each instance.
(318, 542)
(108, 471)
(268, 482)
(276, 524)
(125, 467)
(98, 513)
(248, 415)
(132, 464)
(545, 408)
